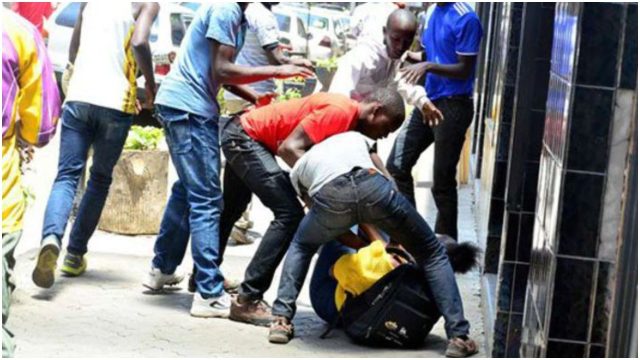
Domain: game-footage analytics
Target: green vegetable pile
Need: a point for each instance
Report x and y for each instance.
(331, 64)
(289, 94)
(143, 138)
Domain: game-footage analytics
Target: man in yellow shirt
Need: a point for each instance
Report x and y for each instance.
(30, 110)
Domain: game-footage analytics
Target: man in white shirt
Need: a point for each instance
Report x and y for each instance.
(341, 177)
(373, 64)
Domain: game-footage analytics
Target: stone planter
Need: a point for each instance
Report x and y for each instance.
(138, 194)
(325, 76)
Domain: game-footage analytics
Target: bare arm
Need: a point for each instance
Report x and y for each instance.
(224, 71)
(460, 70)
(140, 43)
(278, 57)
(74, 45)
(380, 165)
(294, 146)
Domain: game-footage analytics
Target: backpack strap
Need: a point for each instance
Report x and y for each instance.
(401, 252)
(336, 321)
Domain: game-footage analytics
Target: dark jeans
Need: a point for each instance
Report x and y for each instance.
(415, 137)
(362, 197)
(251, 168)
(84, 126)
(196, 199)
(322, 290)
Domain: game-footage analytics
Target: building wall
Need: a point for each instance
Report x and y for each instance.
(527, 127)
(570, 289)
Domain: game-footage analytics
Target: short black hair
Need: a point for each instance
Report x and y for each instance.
(391, 101)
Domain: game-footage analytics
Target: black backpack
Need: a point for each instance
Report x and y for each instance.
(396, 311)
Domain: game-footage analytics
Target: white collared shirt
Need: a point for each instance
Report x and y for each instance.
(366, 68)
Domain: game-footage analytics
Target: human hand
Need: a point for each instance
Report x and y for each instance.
(288, 71)
(413, 73)
(431, 115)
(265, 99)
(304, 63)
(26, 151)
(66, 78)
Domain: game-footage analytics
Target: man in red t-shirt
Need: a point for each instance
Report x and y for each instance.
(287, 129)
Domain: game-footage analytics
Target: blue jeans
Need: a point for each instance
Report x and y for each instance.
(196, 199)
(362, 197)
(251, 168)
(322, 289)
(84, 126)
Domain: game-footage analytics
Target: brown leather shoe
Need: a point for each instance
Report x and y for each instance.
(281, 330)
(256, 312)
(459, 348)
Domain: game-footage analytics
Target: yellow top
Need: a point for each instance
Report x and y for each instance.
(357, 272)
(30, 107)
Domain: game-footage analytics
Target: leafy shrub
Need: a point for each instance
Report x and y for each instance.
(143, 138)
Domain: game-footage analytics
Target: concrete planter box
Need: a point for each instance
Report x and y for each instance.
(138, 194)
(325, 76)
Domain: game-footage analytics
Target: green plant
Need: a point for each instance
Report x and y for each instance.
(331, 64)
(222, 103)
(143, 138)
(289, 94)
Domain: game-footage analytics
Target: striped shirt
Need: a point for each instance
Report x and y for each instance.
(262, 36)
(30, 107)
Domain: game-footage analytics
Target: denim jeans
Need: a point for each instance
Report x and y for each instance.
(84, 126)
(251, 168)
(415, 137)
(196, 199)
(362, 197)
(322, 290)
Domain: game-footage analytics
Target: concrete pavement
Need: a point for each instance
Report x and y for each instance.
(107, 312)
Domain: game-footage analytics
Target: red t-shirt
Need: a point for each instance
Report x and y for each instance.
(321, 116)
(34, 12)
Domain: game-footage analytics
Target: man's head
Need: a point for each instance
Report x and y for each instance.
(382, 113)
(399, 32)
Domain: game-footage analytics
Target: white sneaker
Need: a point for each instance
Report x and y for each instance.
(156, 280)
(213, 307)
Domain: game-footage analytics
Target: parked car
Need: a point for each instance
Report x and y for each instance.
(167, 33)
(294, 34)
(330, 26)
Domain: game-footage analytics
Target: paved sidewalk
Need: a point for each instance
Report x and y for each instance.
(106, 312)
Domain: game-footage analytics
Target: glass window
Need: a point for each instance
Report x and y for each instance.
(284, 22)
(69, 15)
(179, 25)
(301, 31)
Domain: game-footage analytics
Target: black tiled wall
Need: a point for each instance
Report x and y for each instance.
(519, 175)
(499, 113)
(573, 257)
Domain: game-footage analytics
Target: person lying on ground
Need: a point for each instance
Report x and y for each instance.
(340, 178)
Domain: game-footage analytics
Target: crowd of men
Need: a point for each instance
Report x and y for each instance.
(325, 138)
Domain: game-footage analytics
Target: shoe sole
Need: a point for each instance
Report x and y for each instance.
(219, 315)
(43, 274)
(71, 272)
(172, 283)
(459, 354)
(256, 322)
(279, 338)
